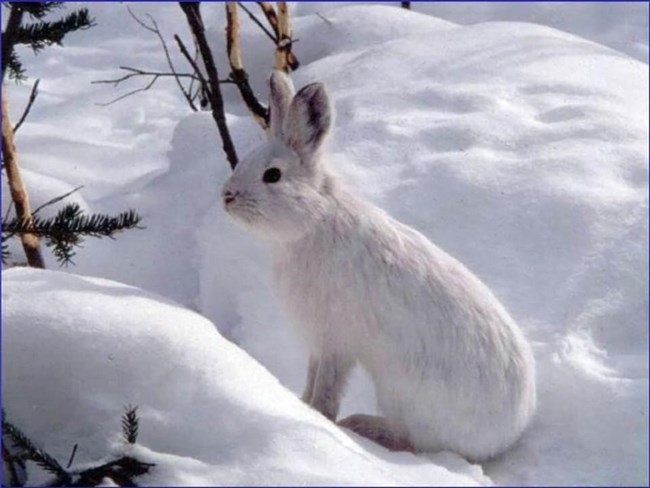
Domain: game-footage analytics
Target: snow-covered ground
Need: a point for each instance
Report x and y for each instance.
(520, 149)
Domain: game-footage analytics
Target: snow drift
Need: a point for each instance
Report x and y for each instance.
(76, 350)
(519, 149)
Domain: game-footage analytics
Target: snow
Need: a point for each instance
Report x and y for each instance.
(520, 149)
(209, 414)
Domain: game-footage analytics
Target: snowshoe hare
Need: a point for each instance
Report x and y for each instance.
(452, 370)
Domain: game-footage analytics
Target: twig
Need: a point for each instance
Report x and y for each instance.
(139, 21)
(192, 62)
(56, 199)
(132, 92)
(156, 31)
(8, 460)
(74, 451)
(133, 72)
(30, 102)
(192, 80)
(281, 25)
(258, 22)
(193, 13)
(238, 73)
(9, 208)
(325, 19)
(271, 17)
(284, 57)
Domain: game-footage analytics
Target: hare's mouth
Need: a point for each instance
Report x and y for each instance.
(243, 209)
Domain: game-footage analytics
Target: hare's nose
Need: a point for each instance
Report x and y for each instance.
(229, 196)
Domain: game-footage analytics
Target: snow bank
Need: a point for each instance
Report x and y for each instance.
(77, 349)
(620, 25)
(522, 151)
(519, 149)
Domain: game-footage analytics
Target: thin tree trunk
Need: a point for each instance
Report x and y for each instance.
(17, 187)
(238, 73)
(193, 14)
(269, 13)
(284, 55)
(283, 49)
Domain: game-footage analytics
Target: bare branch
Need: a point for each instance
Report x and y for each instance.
(9, 208)
(193, 13)
(56, 199)
(271, 17)
(154, 28)
(284, 58)
(132, 92)
(74, 451)
(258, 22)
(133, 72)
(238, 74)
(192, 62)
(325, 19)
(139, 21)
(280, 23)
(30, 102)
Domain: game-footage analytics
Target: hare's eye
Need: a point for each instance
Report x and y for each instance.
(272, 175)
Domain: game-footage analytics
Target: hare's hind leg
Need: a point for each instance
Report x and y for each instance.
(377, 429)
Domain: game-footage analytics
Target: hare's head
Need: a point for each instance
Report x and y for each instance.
(281, 189)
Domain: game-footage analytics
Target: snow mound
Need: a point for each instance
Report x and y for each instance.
(520, 149)
(76, 350)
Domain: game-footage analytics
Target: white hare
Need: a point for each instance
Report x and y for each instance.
(452, 370)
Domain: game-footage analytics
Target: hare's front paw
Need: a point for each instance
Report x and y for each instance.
(377, 430)
(329, 373)
(311, 379)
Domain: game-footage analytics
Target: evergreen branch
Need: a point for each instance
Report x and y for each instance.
(15, 66)
(69, 220)
(6, 253)
(39, 456)
(66, 230)
(32, 97)
(122, 471)
(37, 9)
(15, 466)
(130, 423)
(41, 34)
(9, 58)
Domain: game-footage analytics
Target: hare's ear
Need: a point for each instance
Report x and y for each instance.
(280, 98)
(308, 121)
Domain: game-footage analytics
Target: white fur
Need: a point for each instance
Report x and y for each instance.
(451, 368)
